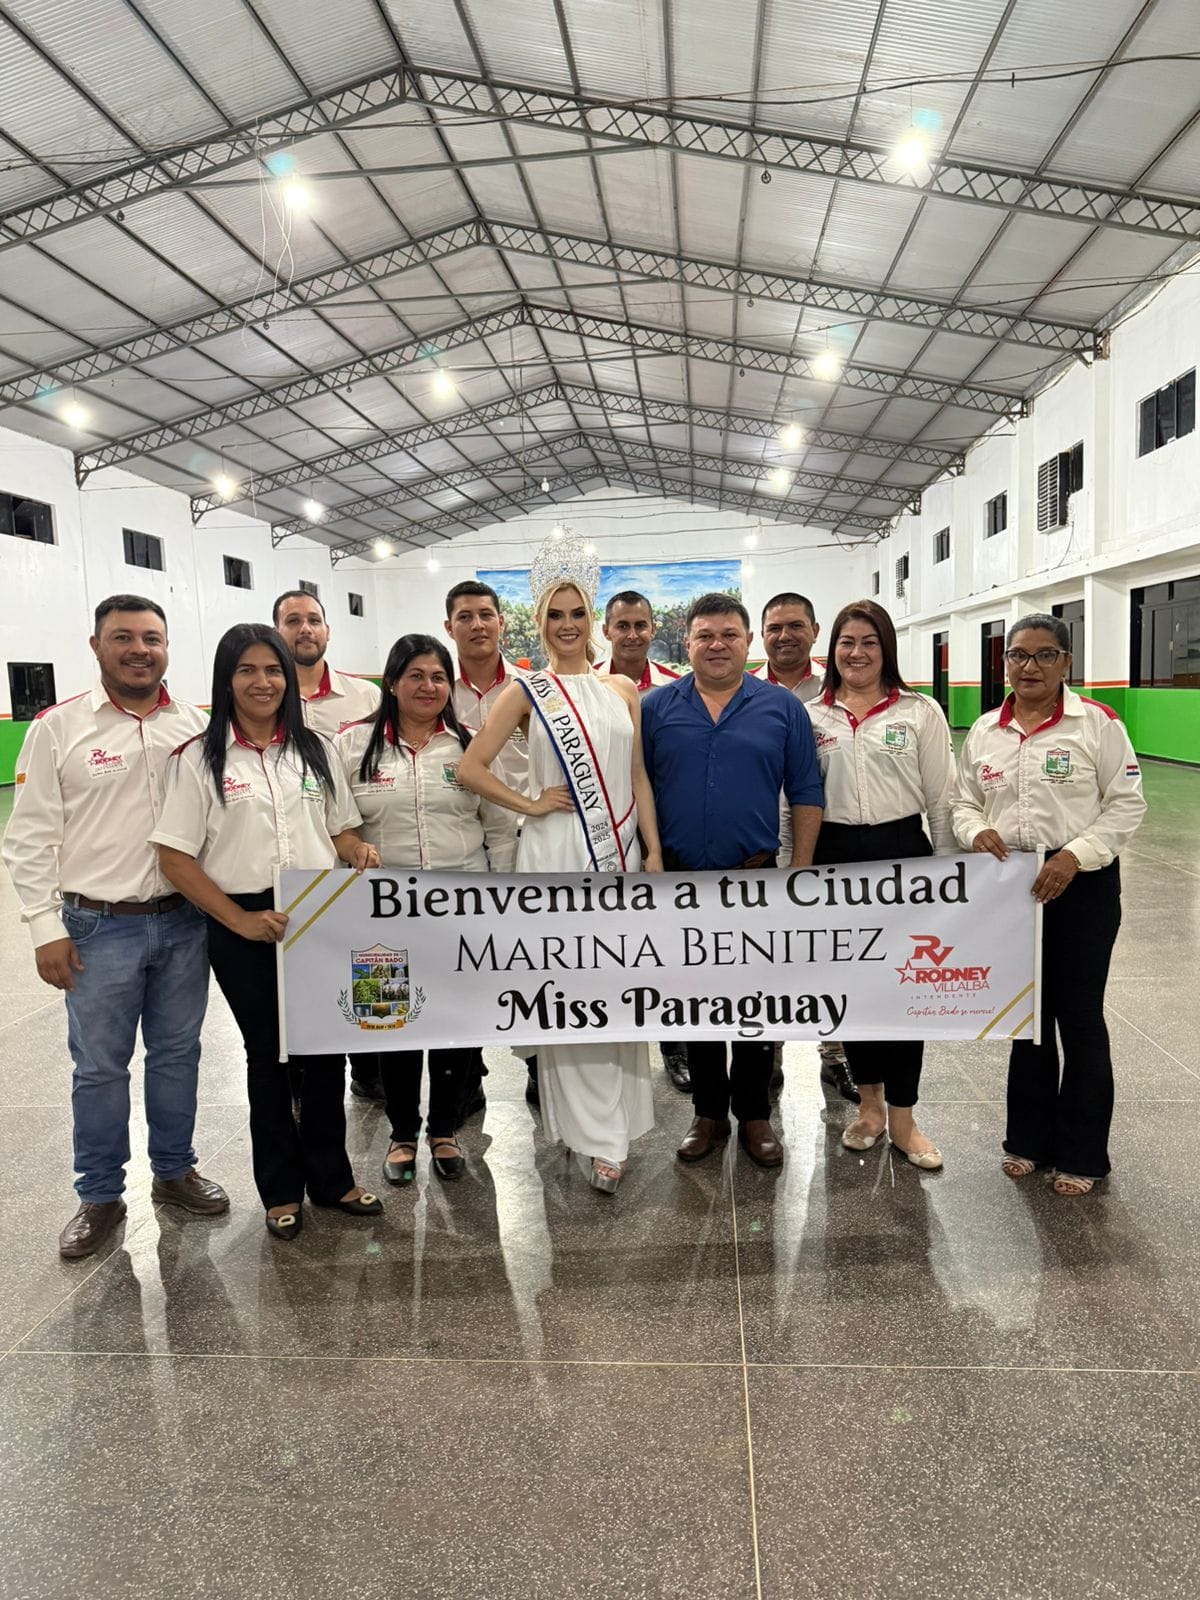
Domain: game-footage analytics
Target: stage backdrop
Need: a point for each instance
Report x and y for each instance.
(922, 949)
(670, 587)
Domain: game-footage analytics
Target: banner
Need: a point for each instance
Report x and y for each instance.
(937, 948)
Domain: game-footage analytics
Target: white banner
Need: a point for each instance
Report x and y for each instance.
(944, 947)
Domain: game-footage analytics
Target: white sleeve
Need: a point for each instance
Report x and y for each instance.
(35, 835)
(967, 814)
(188, 797)
(340, 810)
(1122, 805)
(935, 753)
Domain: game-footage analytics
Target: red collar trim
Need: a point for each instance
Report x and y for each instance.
(394, 737)
(239, 738)
(1008, 714)
(856, 722)
(325, 686)
(497, 681)
(164, 699)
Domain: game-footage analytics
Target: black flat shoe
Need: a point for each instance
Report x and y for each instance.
(286, 1227)
(447, 1166)
(837, 1075)
(400, 1163)
(368, 1205)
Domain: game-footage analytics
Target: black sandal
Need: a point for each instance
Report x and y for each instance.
(367, 1205)
(403, 1170)
(287, 1226)
(451, 1166)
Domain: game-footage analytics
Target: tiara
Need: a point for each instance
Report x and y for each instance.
(564, 559)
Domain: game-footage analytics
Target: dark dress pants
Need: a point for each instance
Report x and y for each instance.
(288, 1157)
(1063, 1122)
(400, 1073)
(742, 1086)
(896, 1064)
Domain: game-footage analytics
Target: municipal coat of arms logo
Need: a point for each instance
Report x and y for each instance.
(380, 994)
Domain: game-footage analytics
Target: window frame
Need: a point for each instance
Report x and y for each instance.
(9, 518)
(1144, 616)
(995, 515)
(238, 564)
(941, 546)
(351, 600)
(153, 545)
(20, 710)
(1166, 415)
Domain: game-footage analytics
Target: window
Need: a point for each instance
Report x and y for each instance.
(1165, 636)
(356, 606)
(875, 581)
(305, 587)
(995, 516)
(30, 688)
(1167, 415)
(941, 545)
(237, 573)
(22, 518)
(901, 574)
(143, 550)
(1058, 479)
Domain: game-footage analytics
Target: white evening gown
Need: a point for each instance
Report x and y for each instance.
(596, 1097)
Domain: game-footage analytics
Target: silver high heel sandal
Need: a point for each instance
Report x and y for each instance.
(605, 1181)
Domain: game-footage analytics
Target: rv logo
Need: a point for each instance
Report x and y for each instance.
(929, 963)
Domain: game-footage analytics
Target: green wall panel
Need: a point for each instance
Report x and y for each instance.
(12, 735)
(1164, 722)
(964, 704)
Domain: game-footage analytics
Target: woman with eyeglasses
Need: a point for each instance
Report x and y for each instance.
(888, 765)
(402, 768)
(1053, 769)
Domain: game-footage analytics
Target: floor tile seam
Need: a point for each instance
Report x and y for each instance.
(111, 1256)
(981, 1367)
(737, 1278)
(1161, 861)
(1159, 1047)
(387, 1360)
(15, 1022)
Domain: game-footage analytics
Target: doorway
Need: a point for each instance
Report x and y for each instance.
(1071, 613)
(993, 685)
(941, 671)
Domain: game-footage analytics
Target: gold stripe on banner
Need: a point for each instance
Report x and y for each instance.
(1000, 1015)
(320, 878)
(351, 877)
(1023, 1022)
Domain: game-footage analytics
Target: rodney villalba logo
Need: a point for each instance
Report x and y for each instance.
(379, 995)
(929, 964)
(101, 763)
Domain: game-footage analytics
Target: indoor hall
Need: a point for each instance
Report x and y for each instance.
(883, 305)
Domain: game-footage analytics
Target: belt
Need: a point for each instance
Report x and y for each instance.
(126, 908)
(674, 862)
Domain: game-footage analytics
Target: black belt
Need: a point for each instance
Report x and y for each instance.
(126, 908)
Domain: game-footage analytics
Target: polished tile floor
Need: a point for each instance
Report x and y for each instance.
(846, 1379)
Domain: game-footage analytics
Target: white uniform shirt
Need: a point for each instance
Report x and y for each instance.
(1074, 783)
(653, 675)
(472, 710)
(273, 816)
(89, 792)
(340, 699)
(417, 814)
(895, 762)
(807, 689)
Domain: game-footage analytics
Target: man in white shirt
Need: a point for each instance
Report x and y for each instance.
(331, 699)
(475, 623)
(629, 627)
(789, 631)
(107, 929)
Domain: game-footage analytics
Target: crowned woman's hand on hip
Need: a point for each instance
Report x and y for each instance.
(557, 798)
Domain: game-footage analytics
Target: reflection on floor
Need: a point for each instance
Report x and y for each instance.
(848, 1378)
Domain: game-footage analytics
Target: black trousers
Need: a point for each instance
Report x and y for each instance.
(896, 1064)
(400, 1073)
(1063, 1121)
(288, 1158)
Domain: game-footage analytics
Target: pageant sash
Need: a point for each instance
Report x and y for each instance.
(572, 746)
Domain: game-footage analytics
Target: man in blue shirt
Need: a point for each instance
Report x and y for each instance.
(719, 747)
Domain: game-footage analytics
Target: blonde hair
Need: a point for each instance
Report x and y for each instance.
(543, 606)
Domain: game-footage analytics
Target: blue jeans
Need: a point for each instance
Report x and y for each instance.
(152, 969)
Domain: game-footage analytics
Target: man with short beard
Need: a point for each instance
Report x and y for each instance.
(331, 699)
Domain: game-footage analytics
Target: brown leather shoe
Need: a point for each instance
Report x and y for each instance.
(192, 1192)
(757, 1139)
(88, 1228)
(702, 1138)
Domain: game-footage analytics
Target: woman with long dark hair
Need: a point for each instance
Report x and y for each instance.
(256, 791)
(402, 768)
(887, 760)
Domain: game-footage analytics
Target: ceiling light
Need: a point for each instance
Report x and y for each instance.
(75, 415)
(912, 151)
(590, 548)
(779, 479)
(556, 532)
(751, 541)
(827, 366)
(296, 196)
(224, 485)
(792, 436)
(382, 548)
(314, 511)
(443, 385)
(433, 564)
(545, 485)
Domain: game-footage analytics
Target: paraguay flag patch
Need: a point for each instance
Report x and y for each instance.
(1132, 770)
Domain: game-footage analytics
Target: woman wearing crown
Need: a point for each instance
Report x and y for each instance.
(589, 798)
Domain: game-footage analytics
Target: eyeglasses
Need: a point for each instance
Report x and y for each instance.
(1044, 658)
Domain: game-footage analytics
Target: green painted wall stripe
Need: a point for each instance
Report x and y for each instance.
(12, 736)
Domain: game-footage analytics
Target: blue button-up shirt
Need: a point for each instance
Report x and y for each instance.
(717, 784)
